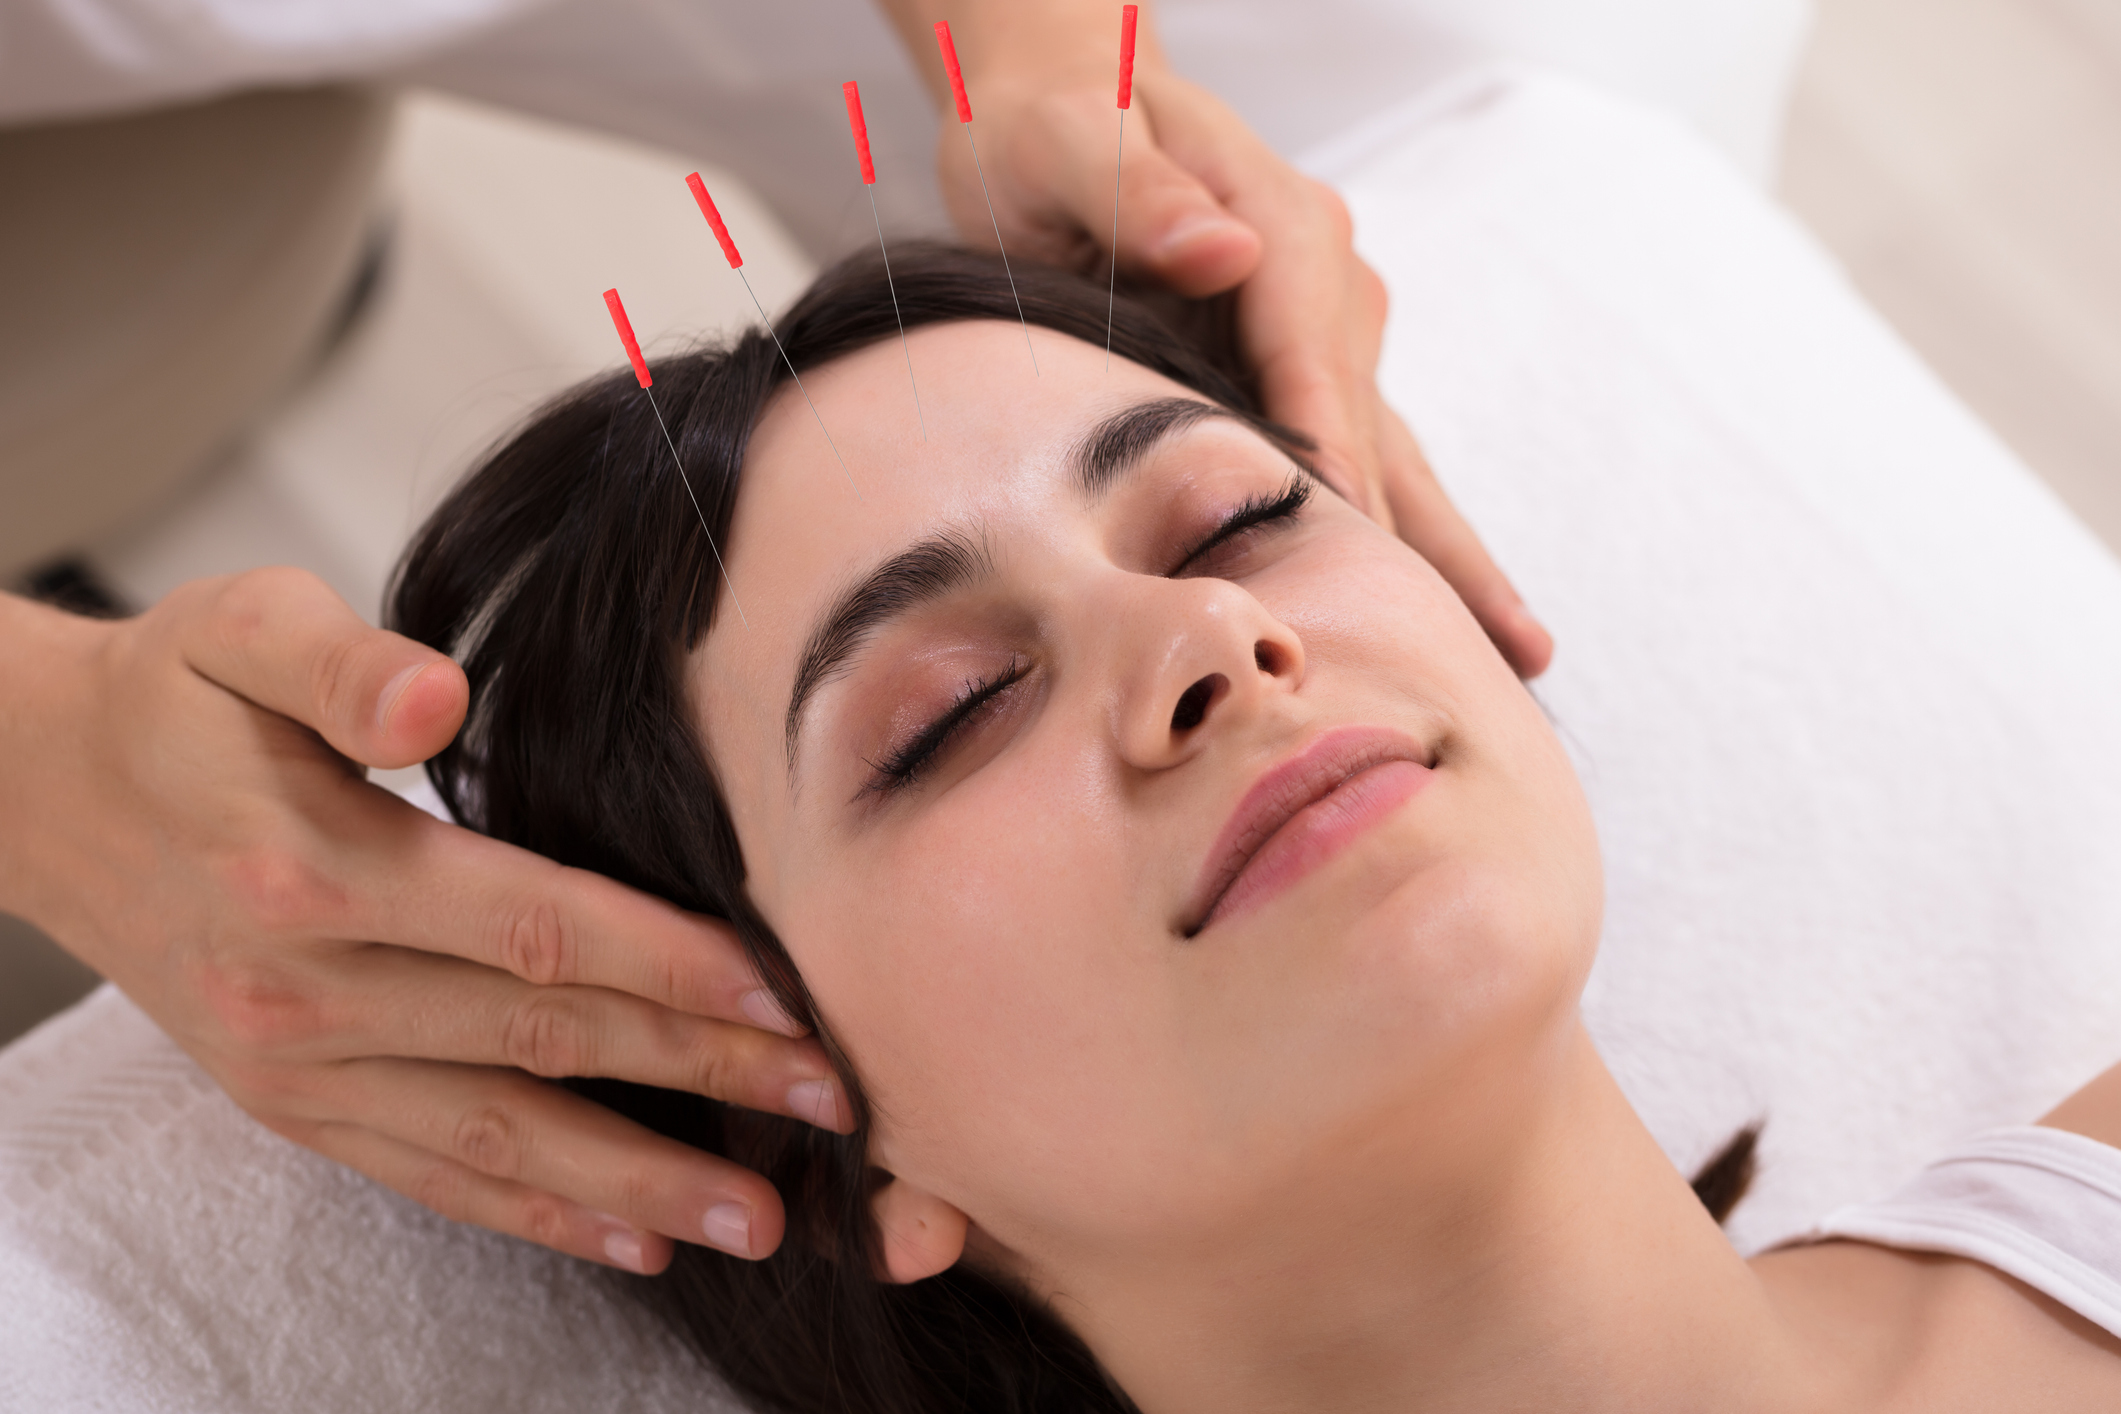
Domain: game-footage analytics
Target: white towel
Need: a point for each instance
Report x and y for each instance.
(1840, 676)
(159, 1251)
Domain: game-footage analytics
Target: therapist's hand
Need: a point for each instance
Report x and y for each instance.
(182, 806)
(1205, 206)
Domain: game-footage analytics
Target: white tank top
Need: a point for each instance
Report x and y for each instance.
(2042, 1205)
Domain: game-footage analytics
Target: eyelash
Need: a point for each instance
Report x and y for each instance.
(905, 765)
(1252, 513)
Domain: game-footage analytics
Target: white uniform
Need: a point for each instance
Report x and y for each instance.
(756, 88)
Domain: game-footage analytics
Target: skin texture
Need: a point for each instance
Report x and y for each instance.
(1349, 1147)
(183, 807)
(180, 796)
(1204, 206)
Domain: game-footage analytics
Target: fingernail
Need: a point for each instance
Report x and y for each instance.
(766, 1012)
(392, 691)
(1192, 229)
(728, 1226)
(624, 1248)
(817, 1101)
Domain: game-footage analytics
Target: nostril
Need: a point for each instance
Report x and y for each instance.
(1192, 708)
(1268, 658)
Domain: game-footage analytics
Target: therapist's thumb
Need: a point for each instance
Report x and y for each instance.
(1173, 230)
(284, 640)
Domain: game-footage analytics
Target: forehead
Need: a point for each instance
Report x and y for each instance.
(996, 456)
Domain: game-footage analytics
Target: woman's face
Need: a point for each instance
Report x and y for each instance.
(1152, 829)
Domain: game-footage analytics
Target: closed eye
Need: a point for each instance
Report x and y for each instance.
(1251, 514)
(905, 765)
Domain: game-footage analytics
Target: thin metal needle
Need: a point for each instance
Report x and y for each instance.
(671, 442)
(999, 246)
(1112, 285)
(799, 382)
(889, 284)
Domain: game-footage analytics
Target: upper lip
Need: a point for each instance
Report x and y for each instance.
(1302, 779)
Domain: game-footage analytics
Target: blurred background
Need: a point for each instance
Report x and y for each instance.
(1960, 158)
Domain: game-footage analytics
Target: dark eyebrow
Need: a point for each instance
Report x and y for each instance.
(1118, 444)
(1124, 440)
(951, 560)
(927, 571)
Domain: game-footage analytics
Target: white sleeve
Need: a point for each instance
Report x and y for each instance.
(80, 58)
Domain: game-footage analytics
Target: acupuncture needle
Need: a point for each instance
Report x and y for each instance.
(1126, 101)
(736, 263)
(964, 117)
(856, 122)
(640, 372)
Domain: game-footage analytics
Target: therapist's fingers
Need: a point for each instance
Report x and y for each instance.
(283, 639)
(417, 1005)
(220, 861)
(1204, 205)
(1054, 187)
(1311, 317)
(438, 888)
(508, 1126)
(1431, 524)
(1171, 227)
(465, 1195)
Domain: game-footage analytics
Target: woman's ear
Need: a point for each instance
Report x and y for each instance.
(922, 1234)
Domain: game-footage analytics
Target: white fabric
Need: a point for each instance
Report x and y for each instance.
(2042, 1205)
(161, 1252)
(1839, 674)
(755, 89)
(78, 58)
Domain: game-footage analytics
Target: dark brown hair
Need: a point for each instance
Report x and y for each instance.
(569, 576)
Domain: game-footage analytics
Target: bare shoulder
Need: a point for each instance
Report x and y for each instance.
(2094, 1111)
(1903, 1332)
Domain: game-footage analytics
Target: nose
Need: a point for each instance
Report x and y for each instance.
(1196, 655)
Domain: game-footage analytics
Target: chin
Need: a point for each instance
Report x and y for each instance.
(1466, 963)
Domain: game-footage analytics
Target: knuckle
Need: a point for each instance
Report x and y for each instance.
(490, 1139)
(1376, 297)
(710, 1067)
(243, 603)
(258, 1011)
(1334, 209)
(635, 1190)
(545, 1036)
(537, 944)
(543, 1219)
(277, 887)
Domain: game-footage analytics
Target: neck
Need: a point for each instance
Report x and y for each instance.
(1574, 1270)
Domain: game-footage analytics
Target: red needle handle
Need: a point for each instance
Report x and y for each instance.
(625, 328)
(714, 219)
(957, 75)
(861, 131)
(1126, 55)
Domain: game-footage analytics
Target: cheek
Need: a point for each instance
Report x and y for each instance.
(993, 1002)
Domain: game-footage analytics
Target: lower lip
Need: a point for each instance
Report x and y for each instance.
(1315, 834)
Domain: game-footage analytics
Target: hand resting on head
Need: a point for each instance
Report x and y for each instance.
(185, 809)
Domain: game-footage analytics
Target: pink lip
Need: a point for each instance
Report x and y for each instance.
(1303, 812)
